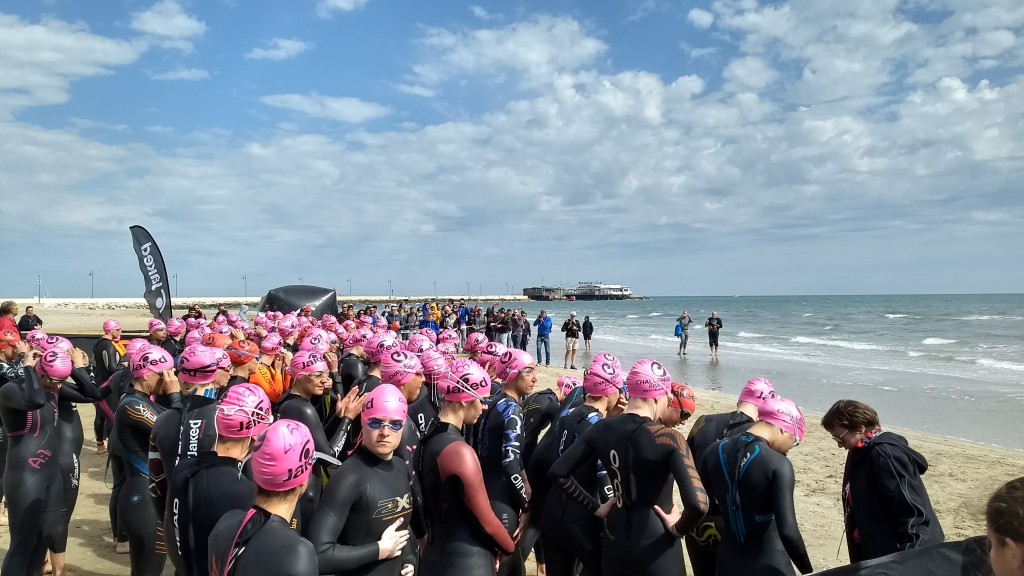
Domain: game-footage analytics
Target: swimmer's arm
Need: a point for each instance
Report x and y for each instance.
(691, 490)
(785, 517)
(81, 389)
(157, 475)
(329, 520)
(459, 459)
(561, 473)
(25, 395)
(341, 436)
(511, 450)
(604, 483)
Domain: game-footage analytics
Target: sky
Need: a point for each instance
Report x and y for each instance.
(732, 147)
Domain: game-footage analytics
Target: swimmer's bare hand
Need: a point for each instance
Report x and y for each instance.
(605, 508)
(79, 359)
(237, 334)
(407, 570)
(524, 521)
(171, 384)
(332, 361)
(350, 405)
(22, 347)
(261, 331)
(32, 358)
(392, 541)
(619, 407)
(670, 519)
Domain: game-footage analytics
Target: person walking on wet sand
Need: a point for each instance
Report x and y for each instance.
(714, 324)
(683, 331)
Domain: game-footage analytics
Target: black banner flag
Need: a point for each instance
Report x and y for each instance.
(151, 263)
(965, 558)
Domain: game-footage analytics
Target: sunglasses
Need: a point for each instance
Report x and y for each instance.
(377, 424)
(841, 436)
(526, 371)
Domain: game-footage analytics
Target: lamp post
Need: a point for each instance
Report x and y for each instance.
(467, 289)
(245, 286)
(92, 285)
(39, 287)
(175, 276)
(350, 287)
(481, 288)
(507, 289)
(391, 291)
(435, 289)
(300, 280)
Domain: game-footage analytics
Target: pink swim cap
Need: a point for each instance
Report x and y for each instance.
(399, 368)
(282, 458)
(192, 323)
(512, 362)
(243, 412)
(316, 341)
(418, 344)
(785, 414)
(490, 354)
(385, 402)
(381, 345)
(52, 342)
(430, 334)
(305, 362)
(348, 325)
(156, 325)
(567, 384)
(474, 342)
(35, 338)
(151, 360)
(198, 365)
(609, 359)
(287, 326)
(757, 391)
(648, 379)
(223, 358)
(449, 350)
(196, 336)
(233, 318)
(271, 343)
(175, 327)
(111, 326)
(134, 346)
(55, 364)
(449, 336)
(603, 378)
(467, 382)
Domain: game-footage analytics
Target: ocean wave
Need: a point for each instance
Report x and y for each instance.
(1000, 364)
(913, 354)
(750, 335)
(839, 343)
(632, 316)
(932, 341)
(666, 338)
(808, 314)
(897, 315)
(656, 314)
(990, 318)
(827, 328)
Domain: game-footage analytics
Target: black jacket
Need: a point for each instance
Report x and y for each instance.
(885, 502)
(588, 328)
(29, 323)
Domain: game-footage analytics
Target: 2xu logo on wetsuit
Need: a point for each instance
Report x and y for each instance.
(392, 507)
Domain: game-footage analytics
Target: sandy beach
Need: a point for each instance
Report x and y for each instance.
(961, 477)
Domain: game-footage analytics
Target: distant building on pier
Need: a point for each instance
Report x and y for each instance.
(585, 291)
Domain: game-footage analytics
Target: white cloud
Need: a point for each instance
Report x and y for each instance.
(348, 110)
(482, 13)
(327, 8)
(181, 73)
(280, 49)
(700, 18)
(749, 72)
(38, 62)
(416, 90)
(167, 23)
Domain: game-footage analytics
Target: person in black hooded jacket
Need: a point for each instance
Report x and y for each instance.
(885, 503)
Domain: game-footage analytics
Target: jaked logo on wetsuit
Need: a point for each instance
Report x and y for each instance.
(393, 507)
(193, 437)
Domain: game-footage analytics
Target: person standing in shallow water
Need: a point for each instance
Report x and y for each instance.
(588, 332)
(714, 325)
(684, 321)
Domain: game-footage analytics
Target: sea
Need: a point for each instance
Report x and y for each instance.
(948, 365)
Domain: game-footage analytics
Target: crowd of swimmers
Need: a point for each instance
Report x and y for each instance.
(290, 445)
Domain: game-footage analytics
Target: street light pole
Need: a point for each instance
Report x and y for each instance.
(391, 290)
(175, 276)
(507, 290)
(92, 285)
(481, 288)
(467, 289)
(349, 287)
(245, 284)
(39, 287)
(300, 280)
(435, 288)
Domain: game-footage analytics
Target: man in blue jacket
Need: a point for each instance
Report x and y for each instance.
(543, 324)
(463, 314)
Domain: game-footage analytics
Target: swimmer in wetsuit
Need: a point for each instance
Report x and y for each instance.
(753, 482)
(424, 409)
(642, 459)
(404, 371)
(260, 541)
(682, 405)
(181, 434)
(500, 449)
(32, 482)
(361, 527)
(12, 354)
(463, 534)
(106, 353)
(702, 542)
(310, 379)
(153, 372)
(207, 487)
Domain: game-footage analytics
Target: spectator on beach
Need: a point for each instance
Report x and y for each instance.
(714, 324)
(684, 321)
(8, 312)
(449, 319)
(572, 330)
(543, 324)
(525, 338)
(30, 321)
(588, 332)
(885, 502)
(463, 313)
(517, 321)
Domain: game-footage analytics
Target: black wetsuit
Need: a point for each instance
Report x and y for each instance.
(257, 543)
(568, 532)
(112, 391)
(713, 325)
(204, 489)
(179, 434)
(423, 410)
(463, 532)
(702, 542)
(362, 499)
(500, 449)
(642, 459)
(136, 514)
(106, 361)
(295, 407)
(81, 389)
(173, 347)
(351, 368)
(8, 371)
(33, 486)
(754, 487)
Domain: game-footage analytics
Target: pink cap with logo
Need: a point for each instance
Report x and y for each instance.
(271, 343)
(35, 338)
(430, 334)
(385, 402)
(156, 325)
(381, 345)
(399, 368)
(55, 364)
(282, 458)
(306, 362)
(151, 360)
(474, 342)
(52, 342)
(243, 412)
(450, 336)
(134, 346)
(757, 390)
(111, 326)
(175, 327)
(648, 379)
(512, 362)
(785, 414)
(466, 382)
(198, 365)
(449, 350)
(567, 384)
(603, 378)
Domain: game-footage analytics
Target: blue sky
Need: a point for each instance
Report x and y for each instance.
(732, 147)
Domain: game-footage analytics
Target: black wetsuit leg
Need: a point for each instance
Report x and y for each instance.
(3, 458)
(117, 473)
(137, 517)
(71, 439)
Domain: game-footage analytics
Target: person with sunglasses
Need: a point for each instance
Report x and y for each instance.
(361, 527)
(153, 373)
(405, 371)
(311, 379)
(210, 485)
(702, 542)
(753, 482)
(261, 541)
(463, 534)
(643, 459)
(885, 503)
